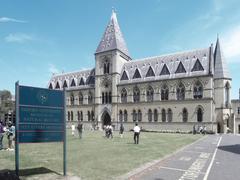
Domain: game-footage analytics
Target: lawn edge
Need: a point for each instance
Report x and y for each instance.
(152, 163)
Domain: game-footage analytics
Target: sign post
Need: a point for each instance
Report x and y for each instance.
(40, 117)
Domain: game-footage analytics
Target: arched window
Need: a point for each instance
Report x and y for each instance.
(92, 116)
(164, 92)
(78, 116)
(150, 93)
(180, 92)
(110, 97)
(155, 115)
(80, 98)
(106, 67)
(120, 116)
(136, 94)
(72, 99)
(124, 95)
(89, 115)
(150, 115)
(163, 115)
(90, 98)
(169, 115)
(197, 90)
(185, 115)
(139, 115)
(103, 98)
(134, 114)
(81, 115)
(227, 94)
(199, 115)
(71, 116)
(125, 115)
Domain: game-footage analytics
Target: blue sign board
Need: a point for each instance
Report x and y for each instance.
(41, 115)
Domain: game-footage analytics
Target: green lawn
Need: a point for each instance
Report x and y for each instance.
(95, 157)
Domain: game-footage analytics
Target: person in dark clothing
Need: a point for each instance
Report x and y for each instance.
(121, 130)
(80, 130)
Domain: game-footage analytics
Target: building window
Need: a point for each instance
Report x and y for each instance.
(165, 70)
(169, 115)
(136, 74)
(81, 82)
(71, 116)
(139, 115)
(180, 92)
(72, 99)
(125, 115)
(199, 115)
(198, 90)
(150, 115)
(103, 96)
(50, 86)
(106, 67)
(80, 98)
(150, 93)
(81, 115)
(65, 84)
(78, 116)
(136, 94)
(185, 115)
(90, 98)
(57, 86)
(120, 116)
(238, 110)
(110, 97)
(134, 114)
(124, 95)
(197, 66)
(155, 115)
(163, 115)
(150, 72)
(164, 92)
(89, 115)
(73, 83)
(124, 76)
(92, 116)
(180, 68)
(227, 100)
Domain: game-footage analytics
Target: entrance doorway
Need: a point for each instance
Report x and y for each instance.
(106, 119)
(219, 127)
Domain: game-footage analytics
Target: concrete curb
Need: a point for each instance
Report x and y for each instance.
(152, 163)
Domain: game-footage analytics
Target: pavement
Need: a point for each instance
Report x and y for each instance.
(214, 157)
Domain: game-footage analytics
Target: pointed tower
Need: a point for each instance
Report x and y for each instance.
(222, 87)
(110, 56)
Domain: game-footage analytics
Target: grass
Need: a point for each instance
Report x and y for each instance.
(95, 157)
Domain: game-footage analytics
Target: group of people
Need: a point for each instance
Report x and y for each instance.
(108, 131)
(79, 129)
(199, 129)
(9, 131)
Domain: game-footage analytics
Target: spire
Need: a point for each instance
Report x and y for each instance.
(112, 37)
(220, 67)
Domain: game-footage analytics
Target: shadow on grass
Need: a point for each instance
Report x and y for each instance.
(232, 148)
(7, 174)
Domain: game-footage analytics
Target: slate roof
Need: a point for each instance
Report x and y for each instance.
(112, 37)
(188, 59)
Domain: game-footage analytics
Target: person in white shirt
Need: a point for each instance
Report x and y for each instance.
(136, 131)
(73, 129)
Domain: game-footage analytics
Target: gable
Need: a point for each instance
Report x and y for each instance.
(124, 76)
(73, 83)
(65, 84)
(165, 70)
(136, 74)
(81, 82)
(50, 86)
(57, 86)
(180, 68)
(197, 66)
(150, 72)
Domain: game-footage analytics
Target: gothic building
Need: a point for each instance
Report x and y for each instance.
(166, 92)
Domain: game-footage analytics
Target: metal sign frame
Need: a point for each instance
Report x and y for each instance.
(26, 128)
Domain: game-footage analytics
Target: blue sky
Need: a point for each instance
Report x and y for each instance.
(38, 38)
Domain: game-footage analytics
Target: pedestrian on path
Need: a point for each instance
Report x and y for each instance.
(80, 129)
(73, 129)
(136, 131)
(11, 136)
(121, 130)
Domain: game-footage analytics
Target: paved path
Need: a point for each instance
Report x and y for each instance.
(216, 157)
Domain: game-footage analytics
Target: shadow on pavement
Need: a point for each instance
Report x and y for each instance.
(232, 148)
(7, 174)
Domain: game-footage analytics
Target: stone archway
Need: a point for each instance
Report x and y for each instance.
(220, 127)
(106, 119)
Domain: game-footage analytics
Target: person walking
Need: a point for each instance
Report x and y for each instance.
(136, 131)
(1, 135)
(80, 129)
(121, 130)
(73, 129)
(11, 136)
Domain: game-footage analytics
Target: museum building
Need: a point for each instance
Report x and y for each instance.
(166, 92)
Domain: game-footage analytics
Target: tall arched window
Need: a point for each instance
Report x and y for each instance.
(103, 98)
(125, 115)
(199, 115)
(92, 116)
(164, 92)
(155, 116)
(150, 115)
(120, 116)
(72, 99)
(80, 98)
(134, 114)
(106, 68)
(78, 116)
(124, 95)
(163, 115)
(197, 90)
(180, 92)
(139, 115)
(227, 94)
(150, 93)
(136, 94)
(71, 116)
(89, 115)
(81, 115)
(185, 115)
(169, 115)
(90, 98)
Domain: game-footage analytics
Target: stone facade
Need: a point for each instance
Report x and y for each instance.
(167, 92)
(236, 111)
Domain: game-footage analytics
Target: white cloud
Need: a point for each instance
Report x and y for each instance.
(7, 19)
(53, 69)
(231, 44)
(19, 38)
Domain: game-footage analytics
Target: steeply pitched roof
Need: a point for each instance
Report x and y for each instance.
(220, 67)
(113, 38)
